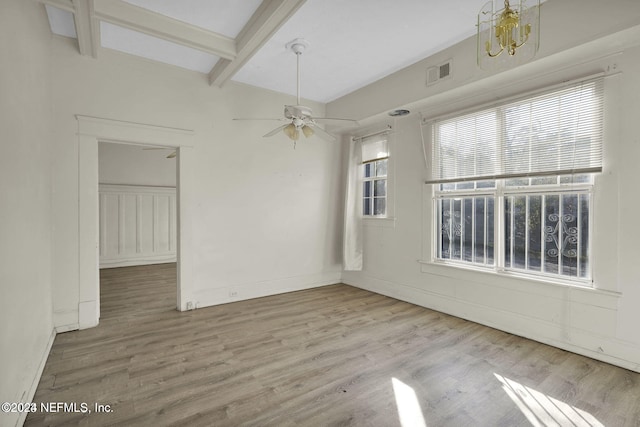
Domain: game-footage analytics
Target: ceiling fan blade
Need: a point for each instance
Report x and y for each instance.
(298, 116)
(322, 133)
(280, 120)
(329, 119)
(276, 130)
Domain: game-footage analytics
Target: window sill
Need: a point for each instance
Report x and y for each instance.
(515, 281)
(373, 221)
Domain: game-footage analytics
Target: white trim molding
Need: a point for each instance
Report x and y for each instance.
(92, 130)
(108, 130)
(28, 396)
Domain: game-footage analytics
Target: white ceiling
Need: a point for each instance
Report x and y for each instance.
(352, 43)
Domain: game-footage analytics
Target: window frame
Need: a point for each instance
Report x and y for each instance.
(433, 193)
(388, 220)
(500, 192)
(372, 179)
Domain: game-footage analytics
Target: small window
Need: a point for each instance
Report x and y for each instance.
(374, 188)
(375, 166)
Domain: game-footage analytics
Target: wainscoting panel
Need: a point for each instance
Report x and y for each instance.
(137, 225)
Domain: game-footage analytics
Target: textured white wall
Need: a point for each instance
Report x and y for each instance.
(25, 200)
(601, 323)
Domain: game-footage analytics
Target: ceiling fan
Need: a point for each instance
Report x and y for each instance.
(170, 156)
(300, 118)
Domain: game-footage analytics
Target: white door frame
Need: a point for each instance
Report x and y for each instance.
(91, 130)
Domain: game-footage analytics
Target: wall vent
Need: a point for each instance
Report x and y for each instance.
(439, 72)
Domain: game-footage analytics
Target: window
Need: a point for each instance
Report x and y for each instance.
(374, 188)
(513, 184)
(375, 166)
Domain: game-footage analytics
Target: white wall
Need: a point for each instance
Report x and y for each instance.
(25, 200)
(601, 322)
(260, 217)
(135, 165)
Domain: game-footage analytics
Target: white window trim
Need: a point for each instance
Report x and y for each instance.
(488, 274)
(489, 277)
(499, 255)
(388, 220)
(431, 264)
(372, 179)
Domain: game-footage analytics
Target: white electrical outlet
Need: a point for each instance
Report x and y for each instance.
(233, 294)
(189, 305)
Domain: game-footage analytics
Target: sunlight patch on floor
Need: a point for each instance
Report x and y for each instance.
(409, 410)
(542, 410)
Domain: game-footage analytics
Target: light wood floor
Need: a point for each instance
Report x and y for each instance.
(333, 356)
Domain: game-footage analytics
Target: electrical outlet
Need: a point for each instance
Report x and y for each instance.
(189, 305)
(233, 294)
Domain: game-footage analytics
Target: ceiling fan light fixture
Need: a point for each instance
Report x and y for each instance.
(299, 116)
(292, 132)
(307, 131)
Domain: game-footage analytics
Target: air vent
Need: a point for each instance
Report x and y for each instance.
(439, 72)
(444, 70)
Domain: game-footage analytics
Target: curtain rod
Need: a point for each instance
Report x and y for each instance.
(360, 138)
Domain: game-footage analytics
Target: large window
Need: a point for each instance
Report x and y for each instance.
(375, 166)
(513, 184)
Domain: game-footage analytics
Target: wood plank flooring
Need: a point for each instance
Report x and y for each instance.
(332, 356)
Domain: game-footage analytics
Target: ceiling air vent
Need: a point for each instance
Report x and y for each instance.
(439, 72)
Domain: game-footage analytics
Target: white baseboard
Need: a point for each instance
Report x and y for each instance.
(28, 397)
(130, 262)
(88, 314)
(604, 348)
(65, 320)
(227, 294)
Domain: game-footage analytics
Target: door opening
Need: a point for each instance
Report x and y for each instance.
(90, 131)
(137, 187)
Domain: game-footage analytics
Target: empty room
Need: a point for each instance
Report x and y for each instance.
(319, 213)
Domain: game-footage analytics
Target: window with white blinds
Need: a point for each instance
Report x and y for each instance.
(554, 133)
(514, 184)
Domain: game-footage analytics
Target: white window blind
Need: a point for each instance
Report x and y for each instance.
(375, 148)
(554, 133)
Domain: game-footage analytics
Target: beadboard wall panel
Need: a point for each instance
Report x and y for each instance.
(137, 225)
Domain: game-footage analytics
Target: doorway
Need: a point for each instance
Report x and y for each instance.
(137, 188)
(91, 132)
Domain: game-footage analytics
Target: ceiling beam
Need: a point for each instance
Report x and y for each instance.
(60, 4)
(266, 20)
(87, 28)
(154, 24)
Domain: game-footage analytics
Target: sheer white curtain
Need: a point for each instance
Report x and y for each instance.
(352, 240)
